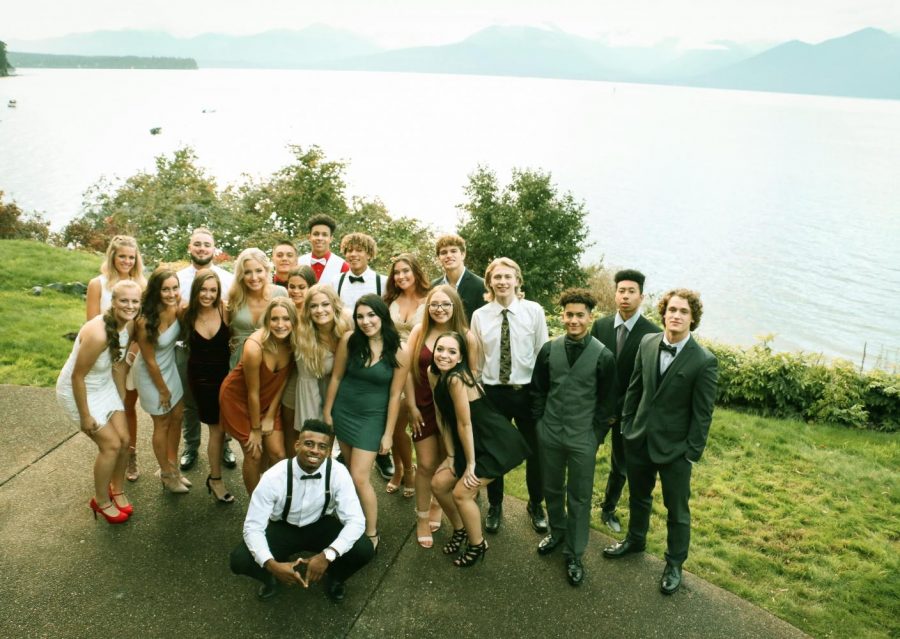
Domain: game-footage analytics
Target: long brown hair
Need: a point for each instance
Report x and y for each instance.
(421, 283)
(193, 309)
(457, 323)
(151, 303)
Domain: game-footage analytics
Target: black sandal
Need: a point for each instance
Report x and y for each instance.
(456, 541)
(227, 498)
(472, 555)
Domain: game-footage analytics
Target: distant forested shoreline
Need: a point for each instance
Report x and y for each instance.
(57, 61)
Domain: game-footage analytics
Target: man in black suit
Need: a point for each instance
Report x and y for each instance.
(451, 253)
(621, 333)
(665, 423)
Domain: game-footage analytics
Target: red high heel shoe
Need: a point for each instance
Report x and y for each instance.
(120, 518)
(128, 509)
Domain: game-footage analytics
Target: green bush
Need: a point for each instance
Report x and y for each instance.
(799, 385)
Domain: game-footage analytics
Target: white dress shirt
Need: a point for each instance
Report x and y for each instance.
(666, 358)
(527, 333)
(351, 291)
(629, 323)
(267, 504)
(186, 279)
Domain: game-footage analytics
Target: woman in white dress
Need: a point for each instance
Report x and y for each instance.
(90, 390)
(156, 373)
(123, 262)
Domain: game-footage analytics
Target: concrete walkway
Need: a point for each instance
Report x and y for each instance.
(165, 573)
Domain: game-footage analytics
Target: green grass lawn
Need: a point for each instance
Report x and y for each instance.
(800, 519)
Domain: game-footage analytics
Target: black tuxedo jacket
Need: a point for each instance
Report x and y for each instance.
(671, 415)
(605, 331)
(471, 290)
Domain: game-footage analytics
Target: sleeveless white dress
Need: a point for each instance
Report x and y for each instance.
(165, 359)
(102, 396)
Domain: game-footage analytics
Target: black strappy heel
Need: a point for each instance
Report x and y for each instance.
(473, 554)
(456, 541)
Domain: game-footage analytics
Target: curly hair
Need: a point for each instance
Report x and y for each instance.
(577, 296)
(359, 242)
(691, 297)
(151, 304)
(108, 267)
(421, 283)
(311, 344)
(358, 345)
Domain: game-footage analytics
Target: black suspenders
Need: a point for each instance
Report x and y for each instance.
(377, 283)
(290, 488)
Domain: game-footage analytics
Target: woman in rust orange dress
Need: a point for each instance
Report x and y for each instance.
(250, 398)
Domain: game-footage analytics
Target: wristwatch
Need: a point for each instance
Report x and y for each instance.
(330, 554)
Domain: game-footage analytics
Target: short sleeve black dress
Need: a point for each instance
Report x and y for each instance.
(499, 447)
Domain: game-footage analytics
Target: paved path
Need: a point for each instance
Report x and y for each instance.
(165, 573)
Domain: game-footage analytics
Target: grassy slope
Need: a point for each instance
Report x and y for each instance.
(28, 321)
(800, 519)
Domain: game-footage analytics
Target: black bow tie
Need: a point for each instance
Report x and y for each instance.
(574, 343)
(354, 279)
(313, 476)
(668, 349)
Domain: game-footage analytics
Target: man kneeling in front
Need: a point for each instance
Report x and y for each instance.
(304, 505)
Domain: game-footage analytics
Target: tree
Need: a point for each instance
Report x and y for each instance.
(529, 222)
(15, 225)
(4, 63)
(159, 209)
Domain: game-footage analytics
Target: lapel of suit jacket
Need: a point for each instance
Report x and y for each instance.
(650, 362)
(683, 359)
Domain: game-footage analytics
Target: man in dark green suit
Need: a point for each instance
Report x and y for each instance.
(665, 422)
(621, 333)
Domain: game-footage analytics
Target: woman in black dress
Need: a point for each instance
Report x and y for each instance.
(206, 334)
(481, 445)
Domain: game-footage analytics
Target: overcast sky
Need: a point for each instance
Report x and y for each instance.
(397, 23)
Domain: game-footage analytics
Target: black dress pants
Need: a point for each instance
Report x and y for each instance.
(286, 540)
(514, 403)
(615, 482)
(675, 478)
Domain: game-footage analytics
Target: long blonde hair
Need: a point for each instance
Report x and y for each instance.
(237, 295)
(269, 343)
(108, 267)
(311, 346)
(457, 323)
(109, 319)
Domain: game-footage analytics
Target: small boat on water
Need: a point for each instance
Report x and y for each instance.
(11, 104)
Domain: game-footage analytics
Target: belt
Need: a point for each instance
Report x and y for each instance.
(510, 386)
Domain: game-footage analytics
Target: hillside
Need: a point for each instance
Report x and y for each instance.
(61, 61)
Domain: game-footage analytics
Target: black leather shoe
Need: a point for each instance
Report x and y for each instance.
(268, 589)
(385, 465)
(548, 544)
(492, 521)
(538, 518)
(671, 579)
(228, 457)
(612, 522)
(574, 571)
(188, 459)
(622, 548)
(335, 589)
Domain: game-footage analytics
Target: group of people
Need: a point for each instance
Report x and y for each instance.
(290, 355)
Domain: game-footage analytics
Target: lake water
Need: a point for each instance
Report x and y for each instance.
(783, 210)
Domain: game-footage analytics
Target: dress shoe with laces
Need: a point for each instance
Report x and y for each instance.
(228, 457)
(334, 588)
(268, 589)
(385, 464)
(574, 571)
(548, 544)
(188, 458)
(622, 548)
(612, 522)
(492, 521)
(671, 579)
(538, 518)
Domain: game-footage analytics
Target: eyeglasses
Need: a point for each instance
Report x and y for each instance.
(440, 306)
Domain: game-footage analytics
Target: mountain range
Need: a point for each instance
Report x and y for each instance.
(865, 63)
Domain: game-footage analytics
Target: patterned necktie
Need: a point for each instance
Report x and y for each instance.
(620, 338)
(505, 352)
